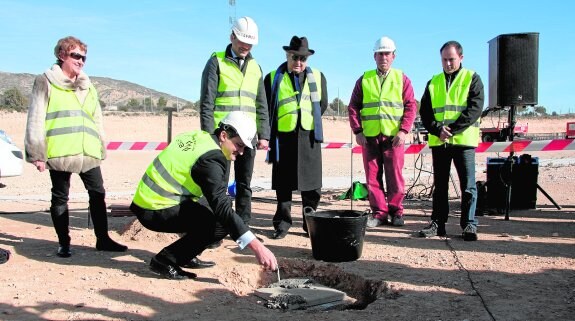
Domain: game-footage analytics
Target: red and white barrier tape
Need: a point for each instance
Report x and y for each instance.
(517, 146)
(136, 145)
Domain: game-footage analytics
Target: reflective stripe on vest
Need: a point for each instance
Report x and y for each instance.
(236, 91)
(168, 181)
(70, 126)
(382, 106)
(448, 105)
(287, 102)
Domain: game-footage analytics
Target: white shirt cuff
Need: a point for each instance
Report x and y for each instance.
(245, 239)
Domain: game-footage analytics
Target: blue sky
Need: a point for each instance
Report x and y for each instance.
(165, 44)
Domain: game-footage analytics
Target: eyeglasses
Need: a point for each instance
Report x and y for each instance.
(77, 56)
(300, 58)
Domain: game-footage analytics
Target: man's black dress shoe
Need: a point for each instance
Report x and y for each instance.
(279, 234)
(196, 263)
(64, 251)
(169, 271)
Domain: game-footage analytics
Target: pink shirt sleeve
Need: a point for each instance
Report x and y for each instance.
(354, 107)
(409, 105)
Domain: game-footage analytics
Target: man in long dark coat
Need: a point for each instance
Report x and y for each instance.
(297, 97)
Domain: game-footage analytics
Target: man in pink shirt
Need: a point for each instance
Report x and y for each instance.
(381, 110)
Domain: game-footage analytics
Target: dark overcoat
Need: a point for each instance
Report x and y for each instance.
(299, 165)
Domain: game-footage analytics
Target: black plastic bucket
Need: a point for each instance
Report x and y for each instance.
(336, 236)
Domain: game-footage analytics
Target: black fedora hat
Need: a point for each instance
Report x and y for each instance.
(299, 46)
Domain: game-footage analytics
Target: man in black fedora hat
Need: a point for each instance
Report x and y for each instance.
(297, 97)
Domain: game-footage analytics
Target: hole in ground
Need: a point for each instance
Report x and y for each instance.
(360, 291)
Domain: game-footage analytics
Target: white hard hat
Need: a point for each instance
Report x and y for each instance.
(244, 125)
(384, 44)
(246, 30)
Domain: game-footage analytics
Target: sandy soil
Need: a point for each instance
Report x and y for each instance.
(520, 269)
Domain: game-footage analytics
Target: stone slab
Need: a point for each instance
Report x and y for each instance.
(299, 293)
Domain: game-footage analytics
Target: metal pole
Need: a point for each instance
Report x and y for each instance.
(508, 190)
(351, 167)
(338, 103)
(548, 197)
(169, 110)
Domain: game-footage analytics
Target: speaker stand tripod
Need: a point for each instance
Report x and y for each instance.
(509, 164)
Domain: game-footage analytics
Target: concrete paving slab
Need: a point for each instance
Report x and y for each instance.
(298, 294)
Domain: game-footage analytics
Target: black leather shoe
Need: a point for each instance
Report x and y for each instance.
(107, 244)
(215, 245)
(64, 251)
(196, 263)
(169, 271)
(279, 234)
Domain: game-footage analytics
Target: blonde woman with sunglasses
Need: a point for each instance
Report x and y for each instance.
(64, 134)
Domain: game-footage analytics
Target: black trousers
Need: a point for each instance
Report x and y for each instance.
(243, 170)
(94, 184)
(196, 221)
(282, 219)
(92, 179)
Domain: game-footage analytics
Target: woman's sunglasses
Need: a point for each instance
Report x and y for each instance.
(77, 56)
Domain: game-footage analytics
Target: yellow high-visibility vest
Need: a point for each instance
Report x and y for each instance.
(236, 91)
(288, 106)
(70, 126)
(382, 105)
(448, 105)
(168, 181)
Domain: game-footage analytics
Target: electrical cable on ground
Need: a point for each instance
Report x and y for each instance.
(424, 192)
(471, 282)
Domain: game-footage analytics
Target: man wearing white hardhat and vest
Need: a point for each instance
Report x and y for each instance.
(381, 110)
(451, 108)
(232, 80)
(193, 166)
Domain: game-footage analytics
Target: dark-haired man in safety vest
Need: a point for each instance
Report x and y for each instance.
(450, 110)
(193, 166)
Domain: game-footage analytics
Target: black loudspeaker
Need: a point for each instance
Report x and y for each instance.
(522, 176)
(513, 69)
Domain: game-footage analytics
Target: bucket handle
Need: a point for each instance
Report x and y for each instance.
(308, 210)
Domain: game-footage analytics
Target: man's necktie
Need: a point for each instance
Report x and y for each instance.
(297, 88)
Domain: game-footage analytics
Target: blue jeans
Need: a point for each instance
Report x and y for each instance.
(464, 161)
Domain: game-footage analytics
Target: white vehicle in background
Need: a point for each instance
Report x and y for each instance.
(11, 158)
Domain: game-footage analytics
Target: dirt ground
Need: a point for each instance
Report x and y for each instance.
(520, 269)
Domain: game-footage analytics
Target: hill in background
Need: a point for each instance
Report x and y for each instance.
(112, 92)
